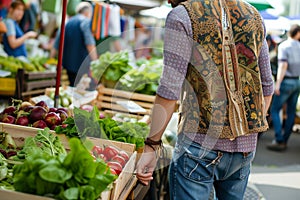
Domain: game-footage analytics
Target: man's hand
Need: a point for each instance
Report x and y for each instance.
(146, 165)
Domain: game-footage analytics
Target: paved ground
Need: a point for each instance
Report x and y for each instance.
(276, 175)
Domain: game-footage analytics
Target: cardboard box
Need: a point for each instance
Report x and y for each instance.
(123, 185)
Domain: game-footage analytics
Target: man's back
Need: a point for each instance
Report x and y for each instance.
(75, 51)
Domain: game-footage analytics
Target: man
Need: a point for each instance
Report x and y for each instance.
(79, 43)
(287, 88)
(223, 79)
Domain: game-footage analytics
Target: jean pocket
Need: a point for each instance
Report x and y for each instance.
(246, 163)
(198, 169)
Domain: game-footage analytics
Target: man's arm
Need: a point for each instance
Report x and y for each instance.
(282, 67)
(161, 114)
(92, 51)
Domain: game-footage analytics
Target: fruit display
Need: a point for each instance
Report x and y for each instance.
(12, 64)
(37, 116)
(116, 159)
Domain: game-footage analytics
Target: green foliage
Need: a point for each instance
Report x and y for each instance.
(111, 66)
(88, 124)
(143, 80)
(72, 176)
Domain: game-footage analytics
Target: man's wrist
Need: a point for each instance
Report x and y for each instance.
(153, 144)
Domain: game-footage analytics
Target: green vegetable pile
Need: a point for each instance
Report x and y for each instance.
(143, 80)
(110, 66)
(87, 123)
(44, 143)
(74, 176)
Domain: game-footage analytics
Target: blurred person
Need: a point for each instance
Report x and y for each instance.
(287, 89)
(14, 38)
(4, 5)
(79, 43)
(142, 41)
(30, 17)
(216, 62)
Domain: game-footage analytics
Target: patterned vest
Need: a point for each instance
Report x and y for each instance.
(222, 93)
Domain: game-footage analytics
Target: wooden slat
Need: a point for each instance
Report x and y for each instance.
(114, 100)
(125, 94)
(110, 106)
(40, 84)
(40, 75)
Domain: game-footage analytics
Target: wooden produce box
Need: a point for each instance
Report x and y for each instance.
(13, 195)
(108, 100)
(33, 83)
(122, 186)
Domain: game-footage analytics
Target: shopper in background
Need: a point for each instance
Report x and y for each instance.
(216, 62)
(30, 17)
(14, 38)
(287, 88)
(79, 43)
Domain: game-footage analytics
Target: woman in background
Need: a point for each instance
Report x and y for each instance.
(14, 38)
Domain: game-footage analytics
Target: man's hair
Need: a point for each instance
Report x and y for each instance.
(175, 3)
(83, 6)
(295, 28)
(17, 3)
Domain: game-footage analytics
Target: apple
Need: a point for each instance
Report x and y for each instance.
(10, 110)
(8, 119)
(39, 124)
(43, 104)
(28, 108)
(52, 118)
(63, 109)
(52, 109)
(22, 120)
(119, 159)
(115, 166)
(62, 114)
(37, 113)
(110, 152)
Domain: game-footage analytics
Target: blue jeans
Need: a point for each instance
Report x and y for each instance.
(289, 92)
(195, 171)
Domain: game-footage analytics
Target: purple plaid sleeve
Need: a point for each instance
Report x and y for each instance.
(265, 70)
(177, 52)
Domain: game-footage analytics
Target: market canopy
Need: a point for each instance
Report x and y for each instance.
(160, 12)
(260, 4)
(136, 4)
(266, 15)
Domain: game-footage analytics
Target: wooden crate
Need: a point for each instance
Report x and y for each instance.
(121, 187)
(33, 83)
(13, 195)
(107, 101)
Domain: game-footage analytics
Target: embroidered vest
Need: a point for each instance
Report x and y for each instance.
(222, 93)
